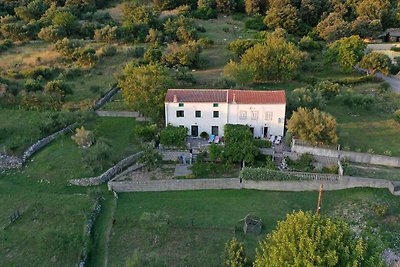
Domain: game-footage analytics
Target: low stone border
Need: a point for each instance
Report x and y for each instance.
(107, 175)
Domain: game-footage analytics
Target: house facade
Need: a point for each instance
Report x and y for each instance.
(208, 110)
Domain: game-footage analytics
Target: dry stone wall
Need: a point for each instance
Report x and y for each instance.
(109, 174)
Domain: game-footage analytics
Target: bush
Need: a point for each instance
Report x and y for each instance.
(52, 33)
(107, 51)
(357, 80)
(380, 209)
(304, 163)
(262, 143)
(308, 44)
(82, 137)
(256, 23)
(240, 46)
(215, 151)
(355, 100)
(145, 133)
(173, 136)
(396, 115)
(183, 55)
(395, 48)
(107, 34)
(205, 135)
(32, 85)
(266, 174)
(43, 71)
(205, 13)
(98, 157)
(136, 51)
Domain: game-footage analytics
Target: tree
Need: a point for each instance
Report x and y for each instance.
(306, 239)
(239, 144)
(235, 254)
(333, 27)
(182, 55)
(376, 62)
(347, 52)
(226, 6)
(276, 60)
(253, 7)
(145, 133)
(145, 87)
(173, 136)
(328, 89)
(364, 27)
(67, 20)
(98, 157)
(310, 11)
(215, 151)
(373, 9)
(150, 157)
(313, 126)
(282, 14)
(306, 97)
(52, 33)
(152, 54)
(58, 89)
(240, 46)
(108, 34)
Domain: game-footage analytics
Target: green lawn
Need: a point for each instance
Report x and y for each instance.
(216, 213)
(54, 213)
(379, 172)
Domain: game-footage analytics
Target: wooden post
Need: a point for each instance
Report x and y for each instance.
(321, 188)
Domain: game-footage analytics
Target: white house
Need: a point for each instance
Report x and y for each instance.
(208, 110)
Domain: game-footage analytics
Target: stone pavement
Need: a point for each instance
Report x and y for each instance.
(182, 170)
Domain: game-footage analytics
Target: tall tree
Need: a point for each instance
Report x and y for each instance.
(239, 144)
(333, 27)
(305, 239)
(376, 62)
(347, 51)
(282, 14)
(313, 126)
(253, 7)
(275, 60)
(145, 88)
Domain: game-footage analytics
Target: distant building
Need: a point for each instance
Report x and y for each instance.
(391, 35)
(208, 110)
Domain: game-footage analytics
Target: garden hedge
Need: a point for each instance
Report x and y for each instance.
(265, 174)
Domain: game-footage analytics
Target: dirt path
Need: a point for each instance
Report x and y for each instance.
(394, 82)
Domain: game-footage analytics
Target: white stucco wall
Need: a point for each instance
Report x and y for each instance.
(228, 113)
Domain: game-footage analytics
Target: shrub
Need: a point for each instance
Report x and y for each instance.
(396, 115)
(152, 55)
(52, 33)
(215, 151)
(387, 153)
(82, 137)
(308, 44)
(262, 143)
(255, 23)
(145, 133)
(150, 158)
(107, 51)
(136, 51)
(240, 46)
(380, 209)
(304, 163)
(43, 71)
(98, 157)
(205, 13)
(370, 151)
(355, 100)
(357, 80)
(57, 88)
(235, 254)
(173, 136)
(184, 55)
(32, 85)
(395, 48)
(266, 174)
(205, 135)
(107, 34)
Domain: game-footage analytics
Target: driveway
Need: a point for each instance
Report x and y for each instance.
(394, 82)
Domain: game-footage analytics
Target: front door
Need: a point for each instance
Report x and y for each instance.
(265, 132)
(195, 130)
(214, 130)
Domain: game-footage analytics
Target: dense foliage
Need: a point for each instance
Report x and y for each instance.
(266, 174)
(313, 126)
(172, 136)
(239, 145)
(306, 239)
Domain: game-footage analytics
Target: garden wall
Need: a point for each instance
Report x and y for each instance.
(175, 185)
(110, 173)
(234, 183)
(349, 155)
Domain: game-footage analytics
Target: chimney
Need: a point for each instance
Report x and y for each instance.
(175, 99)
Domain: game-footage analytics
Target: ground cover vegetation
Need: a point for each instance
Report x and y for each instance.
(57, 57)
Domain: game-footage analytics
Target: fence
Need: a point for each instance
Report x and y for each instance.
(349, 155)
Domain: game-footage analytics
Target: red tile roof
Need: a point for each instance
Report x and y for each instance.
(227, 96)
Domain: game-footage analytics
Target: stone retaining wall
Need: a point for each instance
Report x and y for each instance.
(234, 183)
(10, 162)
(109, 174)
(175, 185)
(349, 155)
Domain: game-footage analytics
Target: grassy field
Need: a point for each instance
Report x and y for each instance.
(214, 215)
(50, 230)
(379, 172)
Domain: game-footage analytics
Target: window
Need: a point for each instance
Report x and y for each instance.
(181, 104)
(243, 115)
(268, 116)
(215, 105)
(254, 115)
(215, 114)
(198, 114)
(180, 114)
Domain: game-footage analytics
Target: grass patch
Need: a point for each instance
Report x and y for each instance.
(214, 215)
(378, 172)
